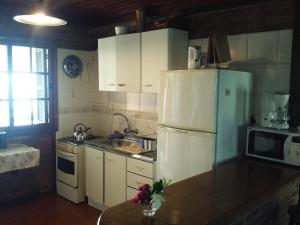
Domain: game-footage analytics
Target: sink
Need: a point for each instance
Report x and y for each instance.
(119, 142)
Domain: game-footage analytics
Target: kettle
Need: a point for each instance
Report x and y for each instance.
(196, 59)
(80, 132)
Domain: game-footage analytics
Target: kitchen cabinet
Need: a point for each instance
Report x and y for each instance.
(119, 63)
(140, 167)
(94, 176)
(138, 173)
(133, 62)
(131, 193)
(114, 179)
(164, 49)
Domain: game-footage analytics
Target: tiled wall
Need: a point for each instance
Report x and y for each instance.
(79, 100)
(75, 96)
(267, 55)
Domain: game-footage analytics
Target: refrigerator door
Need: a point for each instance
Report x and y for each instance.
(188, 99)
(182, 154)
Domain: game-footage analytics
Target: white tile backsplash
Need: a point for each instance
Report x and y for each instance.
(285, 46)
(263, 47)
(132, 101)
(238, 47)
(276, 78)
(203, 42)
(118, 100)
(148, 102)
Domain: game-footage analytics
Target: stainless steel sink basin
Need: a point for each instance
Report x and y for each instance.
(119, 142)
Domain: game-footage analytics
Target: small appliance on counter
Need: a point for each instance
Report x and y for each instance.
(196, 58)
(275, 111)
(274, 145)
(81, 132)
(3, 140)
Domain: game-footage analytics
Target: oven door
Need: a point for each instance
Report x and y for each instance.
(66, 168)
(269, 145)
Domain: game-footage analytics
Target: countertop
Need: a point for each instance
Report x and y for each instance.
(100, 143)
(210, 197)
(18, 156)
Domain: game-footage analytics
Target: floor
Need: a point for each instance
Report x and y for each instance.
(48, 209)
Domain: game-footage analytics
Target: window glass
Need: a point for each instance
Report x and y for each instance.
(4, 114)
(3, 58)
(22, 112)
(39, 111)
(21, 59)
(22, 84)
(3, 85)
(37, 59)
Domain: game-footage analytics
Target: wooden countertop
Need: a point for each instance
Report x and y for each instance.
(210, 197)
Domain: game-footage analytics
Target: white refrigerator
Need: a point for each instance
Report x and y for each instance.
(202, 116)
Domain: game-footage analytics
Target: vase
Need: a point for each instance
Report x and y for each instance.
(149, 212)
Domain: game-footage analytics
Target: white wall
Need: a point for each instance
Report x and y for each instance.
(75, 96)
(267, 55)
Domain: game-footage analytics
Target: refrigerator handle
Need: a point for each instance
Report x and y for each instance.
(183, 131)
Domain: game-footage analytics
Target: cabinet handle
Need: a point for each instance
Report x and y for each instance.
(121, 85)
(111, 84)
(148, 85)
(110, 160)
(139, 183)
(99, 157)
(139, 168)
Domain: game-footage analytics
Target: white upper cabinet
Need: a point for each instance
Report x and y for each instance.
(128, 64)
(119, 63)
(133, 62)
(164, 49)
(107, 64)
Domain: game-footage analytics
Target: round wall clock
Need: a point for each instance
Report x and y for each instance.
(72, 66)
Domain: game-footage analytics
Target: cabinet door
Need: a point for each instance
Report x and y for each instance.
(128, 65)
(154, 58)
(107, 64)
(115, 179)
(94, 174)
(131, 193)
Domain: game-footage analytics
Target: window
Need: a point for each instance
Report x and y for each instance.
(24, 85)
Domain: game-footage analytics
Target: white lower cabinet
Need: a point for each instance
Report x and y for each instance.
(131, 193)
(138, 173)
(94, 176)
(114, 179)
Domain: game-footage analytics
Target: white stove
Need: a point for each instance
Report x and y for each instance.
(70, 170)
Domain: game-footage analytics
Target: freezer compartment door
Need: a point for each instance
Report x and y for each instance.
(188, 99)
(182, 154)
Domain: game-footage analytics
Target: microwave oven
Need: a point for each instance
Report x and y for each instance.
(275, 145)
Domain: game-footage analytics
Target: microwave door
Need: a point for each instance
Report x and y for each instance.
(266, 144)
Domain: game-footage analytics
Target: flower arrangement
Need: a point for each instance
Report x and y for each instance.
(151, 197)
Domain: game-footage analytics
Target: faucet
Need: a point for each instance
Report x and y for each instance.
(127, 130)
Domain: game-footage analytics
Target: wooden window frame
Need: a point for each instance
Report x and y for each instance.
(52, 85)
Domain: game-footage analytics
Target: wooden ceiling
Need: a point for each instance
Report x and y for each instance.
(95, 13)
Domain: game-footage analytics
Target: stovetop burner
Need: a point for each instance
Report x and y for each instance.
(72, 140)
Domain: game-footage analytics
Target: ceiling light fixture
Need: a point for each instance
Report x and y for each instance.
(40, 19)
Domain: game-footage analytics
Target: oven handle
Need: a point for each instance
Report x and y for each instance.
(66, 154)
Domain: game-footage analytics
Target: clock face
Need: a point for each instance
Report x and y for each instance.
(72, 66)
